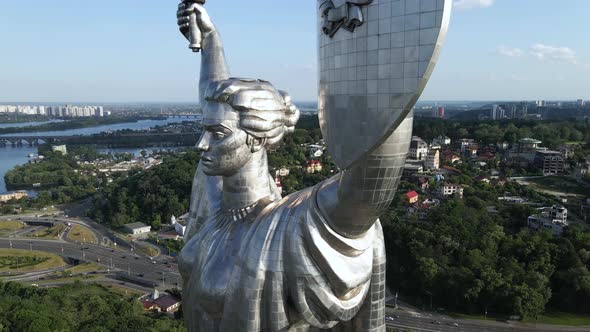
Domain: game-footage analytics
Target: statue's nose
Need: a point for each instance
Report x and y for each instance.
(203, 144)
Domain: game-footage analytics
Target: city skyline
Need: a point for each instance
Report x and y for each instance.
(116, 51)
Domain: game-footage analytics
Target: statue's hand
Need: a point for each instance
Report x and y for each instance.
(203, 21)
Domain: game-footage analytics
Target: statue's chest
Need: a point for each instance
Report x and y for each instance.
(217, 263)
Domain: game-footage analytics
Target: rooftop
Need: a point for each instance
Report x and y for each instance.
(136, 225)
(529, 140)
(166, 301)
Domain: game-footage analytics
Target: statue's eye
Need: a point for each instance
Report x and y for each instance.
(218, 135)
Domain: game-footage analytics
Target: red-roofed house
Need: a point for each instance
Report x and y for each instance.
(313, 166)
(167, 303)
(149, 305)
(412, 197)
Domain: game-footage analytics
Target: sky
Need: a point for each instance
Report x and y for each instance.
(131, 51)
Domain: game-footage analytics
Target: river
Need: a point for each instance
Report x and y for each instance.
(139, 125)
(13, 156)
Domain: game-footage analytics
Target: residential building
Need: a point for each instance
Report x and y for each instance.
(159, 302)
(441, 140)
(418, 149)
(432, 160)
(13, 195)
(167, 303)
(313, 166)
(449, 189)
(472, 150)
(582, 169)
(315, 150)
(537, 223)
(528, 145)
(413, 167)
(412, 197)
(465, 144)
(423, 183)
(279, 184)
(525, 150)
(137, 228)
(449, 156)
(60, 148)
(566, 150)
(283, 171)
(551, 162)
(553, 219)
(421, 208)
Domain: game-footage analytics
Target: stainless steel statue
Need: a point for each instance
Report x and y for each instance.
(313, 260)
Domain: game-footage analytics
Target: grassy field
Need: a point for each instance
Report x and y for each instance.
(82, 268)
(49, 233)
(7, 227)
(67, 280)
(82, 234)
(561, 318)
(123, 291)
(14, 260)
(147, 249)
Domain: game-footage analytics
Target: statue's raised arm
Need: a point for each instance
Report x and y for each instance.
(194, 19)
(370, 80)
(314, 260)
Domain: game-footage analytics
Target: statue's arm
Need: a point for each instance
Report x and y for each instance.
(214, 66)
(353, 199)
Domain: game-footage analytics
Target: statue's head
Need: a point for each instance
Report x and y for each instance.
(240, 118)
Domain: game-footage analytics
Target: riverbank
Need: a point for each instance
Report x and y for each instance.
(22, 118)
(76, 123)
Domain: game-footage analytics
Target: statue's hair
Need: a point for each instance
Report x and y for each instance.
(265, 112)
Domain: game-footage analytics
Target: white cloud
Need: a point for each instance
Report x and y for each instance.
(560, 54)
(512, 52)
(470, 4)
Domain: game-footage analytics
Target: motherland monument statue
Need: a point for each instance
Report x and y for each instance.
(314, 260)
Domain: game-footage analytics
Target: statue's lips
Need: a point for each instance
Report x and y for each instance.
(206, 160)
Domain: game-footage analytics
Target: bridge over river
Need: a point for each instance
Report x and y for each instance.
(34, 140)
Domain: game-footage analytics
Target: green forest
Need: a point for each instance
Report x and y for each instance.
(151, 197)
(552, 133)
(77, 308)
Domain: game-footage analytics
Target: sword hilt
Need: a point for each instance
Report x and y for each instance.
(194, 33)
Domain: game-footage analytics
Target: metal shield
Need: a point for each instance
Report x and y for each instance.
(375, 59)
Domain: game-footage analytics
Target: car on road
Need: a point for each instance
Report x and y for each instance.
(454, 324)
(388, 318)
(435, 322)
(140, 274)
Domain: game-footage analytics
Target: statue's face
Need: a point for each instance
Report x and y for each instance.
(223, 144)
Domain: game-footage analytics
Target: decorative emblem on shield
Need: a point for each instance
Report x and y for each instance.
(372, 76)
(339, 13)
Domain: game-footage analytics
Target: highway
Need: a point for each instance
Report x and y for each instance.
(408, 320)
(146, 273)
(128, 263)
